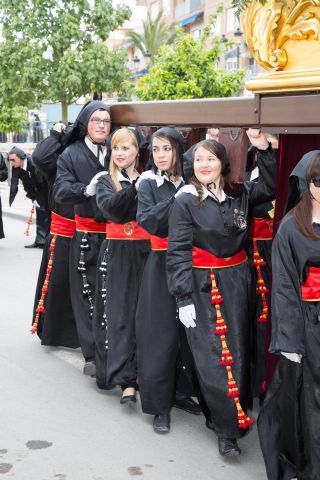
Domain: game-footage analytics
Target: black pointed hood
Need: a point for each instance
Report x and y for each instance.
(298, 180)
(80, 126)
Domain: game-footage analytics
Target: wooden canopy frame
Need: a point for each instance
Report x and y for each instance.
(290, 113)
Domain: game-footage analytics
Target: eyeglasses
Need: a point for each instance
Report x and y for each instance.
(316, 181)
(97, 121)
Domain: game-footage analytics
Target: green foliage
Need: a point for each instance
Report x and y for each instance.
(156, 33)
(188, 69)
(56, 51)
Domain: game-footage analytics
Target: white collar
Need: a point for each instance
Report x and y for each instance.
(193, 191)
(158, 177)
(25, 163)
(122, 178)
(254, 173)
(95, 149)
(315, 220)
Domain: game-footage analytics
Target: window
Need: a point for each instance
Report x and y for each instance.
(196, 33)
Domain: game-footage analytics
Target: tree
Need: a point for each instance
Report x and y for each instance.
(57, 51)
(188, 69)
(156, 33)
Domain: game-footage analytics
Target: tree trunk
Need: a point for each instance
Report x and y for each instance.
(64, 111)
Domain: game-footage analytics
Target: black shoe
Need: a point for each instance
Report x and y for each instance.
(188, 405)
(128, 398)
(90, 369)
(228, 447)
(34, 245)
(161, 423)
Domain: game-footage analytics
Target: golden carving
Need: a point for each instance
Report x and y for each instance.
(284, 36)
(268, 27)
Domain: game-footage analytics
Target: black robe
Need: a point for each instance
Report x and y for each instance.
(221, 229)
(259, 347)
(77, 165)
(156, 321)
(35, 187)
(119, 273)
(57, 325)
(289, 423)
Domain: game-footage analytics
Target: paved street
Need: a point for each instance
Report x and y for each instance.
(56, 424)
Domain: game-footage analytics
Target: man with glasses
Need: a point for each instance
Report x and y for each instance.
(78, 170)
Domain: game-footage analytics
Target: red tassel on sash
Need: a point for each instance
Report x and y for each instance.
(261, 289)
(226, 357)
(40, 307)
(29, 221)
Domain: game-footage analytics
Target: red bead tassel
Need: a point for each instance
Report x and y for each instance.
(243, 420)
(226, 357)
(29, 222)
(264, 314)
(215, 294)
(257, 260)
(233, 390)
(261, 288)
(40, 307)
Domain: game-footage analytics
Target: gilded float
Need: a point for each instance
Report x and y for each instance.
(284, 38)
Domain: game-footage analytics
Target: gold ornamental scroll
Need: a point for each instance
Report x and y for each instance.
(284, 38)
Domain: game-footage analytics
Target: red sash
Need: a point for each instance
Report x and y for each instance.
(62, 226)
(84, 224)
(126, 231)
(310, 290)
(261, 228)
(203, 259)
(158, 243)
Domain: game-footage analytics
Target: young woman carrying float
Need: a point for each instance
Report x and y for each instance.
(209, 276)
(120, 265)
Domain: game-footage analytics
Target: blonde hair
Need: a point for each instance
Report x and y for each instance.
(121, 135)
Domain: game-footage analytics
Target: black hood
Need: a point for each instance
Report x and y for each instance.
(298, 180)
(20, 153)
(80, 126)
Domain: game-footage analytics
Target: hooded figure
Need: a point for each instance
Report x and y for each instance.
(53, 318)
(36, 190)
(159, 362)
(78, 170)
(121, 261)
(289, 422)
(259, 258)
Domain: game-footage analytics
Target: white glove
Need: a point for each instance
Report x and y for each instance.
(294, 357)
(36, 204)
(92, 187)
(187, 316)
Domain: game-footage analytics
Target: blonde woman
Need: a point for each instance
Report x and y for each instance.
(120, 266)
